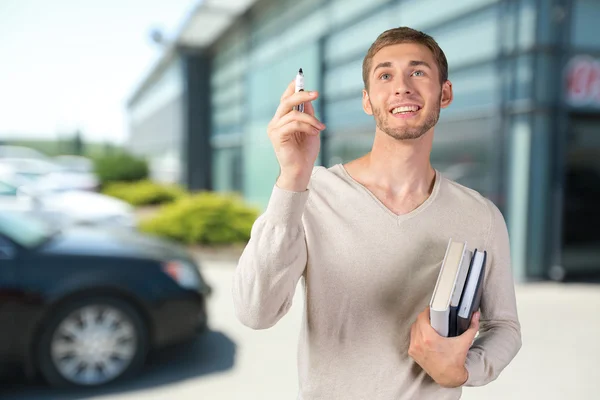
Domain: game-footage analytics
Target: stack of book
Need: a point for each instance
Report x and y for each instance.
(457, 292)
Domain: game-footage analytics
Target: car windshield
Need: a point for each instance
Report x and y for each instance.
(25, 229)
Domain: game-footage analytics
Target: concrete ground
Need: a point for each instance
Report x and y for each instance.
(561, 345)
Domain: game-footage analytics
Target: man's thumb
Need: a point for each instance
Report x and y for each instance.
(474, 327)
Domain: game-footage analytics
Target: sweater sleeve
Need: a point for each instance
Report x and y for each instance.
(273, 261)
(499, 337)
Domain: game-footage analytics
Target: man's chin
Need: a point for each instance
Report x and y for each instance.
(404, 134)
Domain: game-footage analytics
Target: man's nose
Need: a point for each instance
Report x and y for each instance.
(403, 86)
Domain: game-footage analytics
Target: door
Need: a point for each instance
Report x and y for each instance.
(581, 205)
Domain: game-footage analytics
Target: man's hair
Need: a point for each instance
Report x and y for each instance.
(405, 35)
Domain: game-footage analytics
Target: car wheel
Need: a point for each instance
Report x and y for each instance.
(92, 342)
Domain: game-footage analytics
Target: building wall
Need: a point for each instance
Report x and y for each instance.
(229, 109)
(156, 123)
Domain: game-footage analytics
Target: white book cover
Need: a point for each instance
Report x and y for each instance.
(451, 271)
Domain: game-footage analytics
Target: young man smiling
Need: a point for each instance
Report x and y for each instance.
(368, 238)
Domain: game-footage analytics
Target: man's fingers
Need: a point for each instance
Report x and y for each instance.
(308, 108)
(288, 103)
(470, 333)
(475, 321)
(424, 316)
(294, 127)
(289, 90)
(299, 116)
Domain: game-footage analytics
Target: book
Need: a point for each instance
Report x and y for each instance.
(471, 297)
(449, 288)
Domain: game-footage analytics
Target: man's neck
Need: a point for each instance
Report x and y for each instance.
(400, 168)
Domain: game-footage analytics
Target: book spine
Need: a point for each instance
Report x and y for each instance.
(440, 321)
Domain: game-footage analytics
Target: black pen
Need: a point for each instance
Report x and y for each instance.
(299, 88)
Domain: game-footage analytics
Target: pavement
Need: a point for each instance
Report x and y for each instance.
(558, 360)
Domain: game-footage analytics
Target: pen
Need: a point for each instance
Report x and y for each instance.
(299, 88)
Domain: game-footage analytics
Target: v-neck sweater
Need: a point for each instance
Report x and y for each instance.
(367, 273)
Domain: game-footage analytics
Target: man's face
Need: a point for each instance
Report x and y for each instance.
(405, 95)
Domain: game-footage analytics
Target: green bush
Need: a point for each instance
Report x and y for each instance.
(205, 218)
(144, 192)
(120, 167)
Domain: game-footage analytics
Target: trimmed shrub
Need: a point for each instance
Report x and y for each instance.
(205, 218)
(145, 192)
(120, 167)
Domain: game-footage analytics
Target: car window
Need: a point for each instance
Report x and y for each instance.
(7, 190)
(7, 249)
(25, 229)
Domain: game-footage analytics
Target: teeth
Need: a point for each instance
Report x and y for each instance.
(405, 109)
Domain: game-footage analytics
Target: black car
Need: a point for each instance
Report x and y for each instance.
(83, 307)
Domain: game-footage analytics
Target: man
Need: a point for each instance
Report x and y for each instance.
(369, 237)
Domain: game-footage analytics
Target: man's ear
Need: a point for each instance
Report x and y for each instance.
(366, 102)
(447, 95)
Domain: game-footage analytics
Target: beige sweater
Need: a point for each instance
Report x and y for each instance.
(367, 274)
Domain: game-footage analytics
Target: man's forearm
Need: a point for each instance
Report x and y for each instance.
(498, 343)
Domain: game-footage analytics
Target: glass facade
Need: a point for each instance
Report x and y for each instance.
(470, 145)
(156, 123)
(584, 28)
(228, 109)
(578, 240)
(266, 82)
(526, 79)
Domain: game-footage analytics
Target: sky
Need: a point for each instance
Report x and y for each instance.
(73, 64)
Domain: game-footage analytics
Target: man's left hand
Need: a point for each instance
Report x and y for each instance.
(442, 358)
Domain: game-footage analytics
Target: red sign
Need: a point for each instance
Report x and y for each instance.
(583, 81)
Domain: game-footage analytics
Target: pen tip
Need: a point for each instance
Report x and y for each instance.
(300, 71)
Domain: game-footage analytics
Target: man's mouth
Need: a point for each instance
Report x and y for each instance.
(405, 110)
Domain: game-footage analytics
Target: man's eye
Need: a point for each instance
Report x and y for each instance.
(419, 73)
(385, 76)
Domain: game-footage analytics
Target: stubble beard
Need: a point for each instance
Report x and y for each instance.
(406, 132)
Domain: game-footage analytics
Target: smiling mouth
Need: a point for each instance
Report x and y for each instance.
(405, 110)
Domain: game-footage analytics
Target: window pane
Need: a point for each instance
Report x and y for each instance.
(527, 24)
(282, 17)
(544, 70)
(290, 38)
(426, 13)
(227, 169)
(475, 87)
(227, 116)
(347, 115)
(266, 84)
(225, 95)
(233, 69)
(166, 88)
(524, 78)
(344, 80)
(586, 15)
(357, 39)
(457, 40)
(343, 148)
(462, 152)
(7, 190)
(342, 11)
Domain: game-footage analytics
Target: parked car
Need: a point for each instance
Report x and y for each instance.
(70, 207)
(50, 175)
(10, 151)
(77, 164)
(83, 307)
(60, 173)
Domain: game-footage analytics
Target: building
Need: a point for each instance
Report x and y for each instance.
(524, 127)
